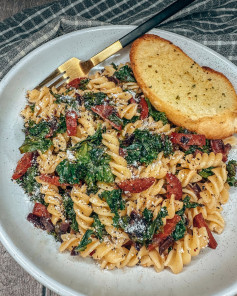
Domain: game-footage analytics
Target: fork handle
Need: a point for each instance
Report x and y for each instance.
(134, 34)
(154, 21)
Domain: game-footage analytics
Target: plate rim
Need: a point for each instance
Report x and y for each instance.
(16, 254)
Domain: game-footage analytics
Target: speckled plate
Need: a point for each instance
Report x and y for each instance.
(213, 272)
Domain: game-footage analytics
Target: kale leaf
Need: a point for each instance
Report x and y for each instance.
(155, 114)
(69, 172)
(61, 125)
(96, 139)
(155, 225)
(98, 231)
(146, 146)
(66, 99)
(99, 228)
(114, 66)
(179, 231)
(125, 74)
(205, 149)
(205, 173)
(231, 169)
(180, 228)
(27, 181)
(132, 120)
(30, 185)
(92, 165)
(187, 204)
(85, 241)
(95, 163)
(35, 137)
(141, 229)
(148, 215)
(34, 143)
(38, 130)
(57, 96)
(69, 212)
(83, 83)
(92, 99)
(115, 119)
(113, 199)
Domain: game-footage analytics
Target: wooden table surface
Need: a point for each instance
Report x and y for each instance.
(14, 280)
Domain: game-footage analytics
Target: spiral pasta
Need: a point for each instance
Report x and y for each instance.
(214, 187)
(82, 208)
(118, 164)
(202, 161)
(44, 106)
(48, 161)
(53, 199)
(183, 250)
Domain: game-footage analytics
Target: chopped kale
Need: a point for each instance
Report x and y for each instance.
(187, 204)
(92, 99)
(115, 119)
(155, 114)
(148, 215)
(61, 125)
(141, 229)
(156, 223)
(92, 165)
(167, 146)
(57, 96)
(85, 241)
(66, 99)
(113, 199)
(69, 212)
(38, 130)
(179, 231)
(132, 120)
(95, 163)
(205, 149)
(32, 107)
(125, 74)
(96, 139)
(55, 235)
(99, 228)
(114, 66)
(180, 228)
(69, 172)
(205, 173)
(27, 181)
(34, 143)
(83, 83)
(231, 169)
(30, 185)
(146, 146)
(98, 231)
(35, 137)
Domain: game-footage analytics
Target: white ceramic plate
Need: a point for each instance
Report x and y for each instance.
(211, 273)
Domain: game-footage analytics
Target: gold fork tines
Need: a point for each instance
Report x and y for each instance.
(75, 68)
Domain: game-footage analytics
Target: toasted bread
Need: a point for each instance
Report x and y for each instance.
(197, 98)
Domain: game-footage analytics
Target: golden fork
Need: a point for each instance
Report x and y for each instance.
(75, 68)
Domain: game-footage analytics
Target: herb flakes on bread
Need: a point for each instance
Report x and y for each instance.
(197, 98)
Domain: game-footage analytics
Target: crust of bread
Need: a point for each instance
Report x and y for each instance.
(219, 126)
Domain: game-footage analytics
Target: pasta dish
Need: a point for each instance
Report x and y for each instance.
(112, 179)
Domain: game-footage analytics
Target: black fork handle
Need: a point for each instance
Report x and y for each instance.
(154, 21)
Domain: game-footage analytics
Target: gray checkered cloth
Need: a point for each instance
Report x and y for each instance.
(210, 22)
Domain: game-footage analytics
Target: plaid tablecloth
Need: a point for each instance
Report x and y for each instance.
(210, 22)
